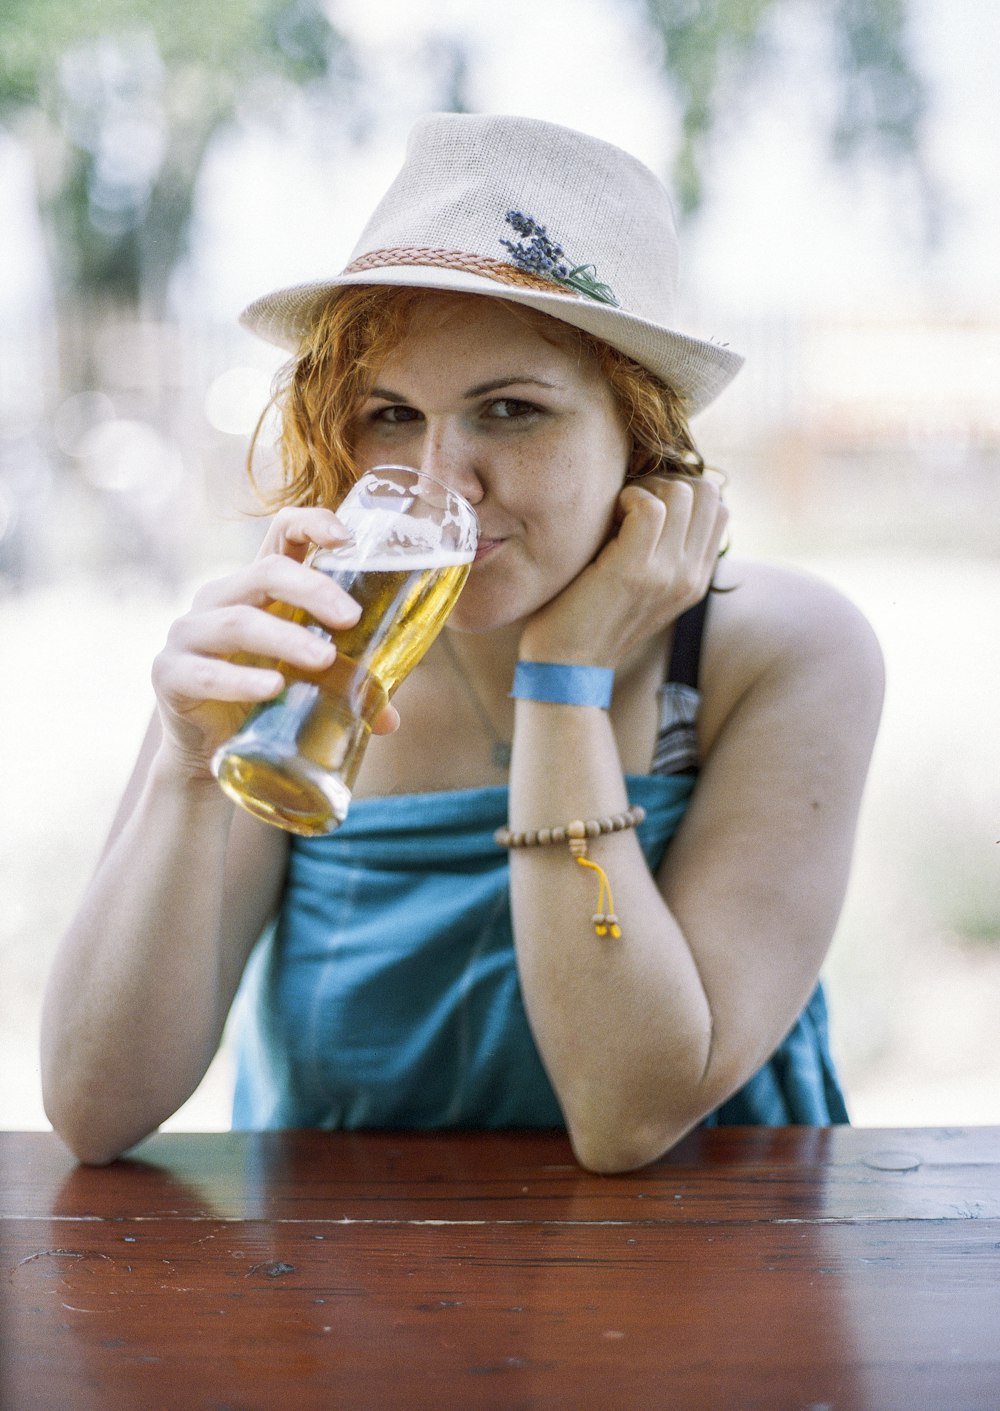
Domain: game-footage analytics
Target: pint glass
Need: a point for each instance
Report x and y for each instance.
(412, 541)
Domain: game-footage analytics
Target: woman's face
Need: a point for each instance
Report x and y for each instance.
(506, 408)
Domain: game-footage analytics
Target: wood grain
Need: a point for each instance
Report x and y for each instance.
(752, 1268)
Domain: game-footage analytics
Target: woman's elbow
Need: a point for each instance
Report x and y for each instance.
(89, 1155)
(85, 1130)
(615, 1152)
(86, 1145)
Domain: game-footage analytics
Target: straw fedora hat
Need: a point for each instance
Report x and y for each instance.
(524, 210)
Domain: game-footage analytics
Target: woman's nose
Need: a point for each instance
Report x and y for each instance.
(450, 457)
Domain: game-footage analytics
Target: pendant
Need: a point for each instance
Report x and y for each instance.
(501, 755)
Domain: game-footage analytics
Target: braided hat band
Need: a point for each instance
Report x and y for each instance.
(456, 260)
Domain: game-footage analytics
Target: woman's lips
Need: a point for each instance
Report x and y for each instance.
(485, 547)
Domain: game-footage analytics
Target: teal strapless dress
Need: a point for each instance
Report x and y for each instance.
(387, 994)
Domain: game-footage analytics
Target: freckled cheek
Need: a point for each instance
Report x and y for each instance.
(580, 508)
(563, 546)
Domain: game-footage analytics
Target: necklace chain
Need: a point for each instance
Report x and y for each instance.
(501, 749)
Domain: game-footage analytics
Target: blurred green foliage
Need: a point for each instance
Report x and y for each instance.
(955, 867)
(119, 99)
(715, 51)
(228, 38)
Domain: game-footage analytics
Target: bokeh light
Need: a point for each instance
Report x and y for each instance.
(236, 399)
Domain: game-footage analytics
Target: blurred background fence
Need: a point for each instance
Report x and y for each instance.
(839, 210)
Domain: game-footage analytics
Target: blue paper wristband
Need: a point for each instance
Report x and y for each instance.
(563, 685)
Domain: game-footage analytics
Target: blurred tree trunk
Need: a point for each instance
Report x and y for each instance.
(713, 52)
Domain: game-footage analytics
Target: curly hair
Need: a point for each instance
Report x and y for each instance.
(320, 392)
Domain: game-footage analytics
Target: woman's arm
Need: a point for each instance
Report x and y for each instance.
(643, 1036)
(142, 983)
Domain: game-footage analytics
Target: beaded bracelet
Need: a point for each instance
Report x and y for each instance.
(578, 834)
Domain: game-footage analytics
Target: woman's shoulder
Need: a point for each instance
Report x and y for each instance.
(773, 628)
(779, 608)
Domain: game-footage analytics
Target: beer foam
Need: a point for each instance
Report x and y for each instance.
(354, 558)
(407, 533)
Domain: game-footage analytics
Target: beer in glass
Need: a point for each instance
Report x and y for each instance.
(412, 541)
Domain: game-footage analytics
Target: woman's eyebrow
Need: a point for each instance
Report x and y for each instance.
(386, 394)
(514, 381)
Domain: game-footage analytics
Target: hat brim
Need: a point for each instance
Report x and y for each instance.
(697, 370)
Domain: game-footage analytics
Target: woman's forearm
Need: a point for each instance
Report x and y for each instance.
(623, 1025)
(136, 999)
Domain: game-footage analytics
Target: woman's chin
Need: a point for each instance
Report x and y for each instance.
(483, 612)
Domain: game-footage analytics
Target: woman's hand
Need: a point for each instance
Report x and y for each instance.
(215, 663)
(658, 562)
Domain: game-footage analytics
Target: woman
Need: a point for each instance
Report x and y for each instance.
(505, 324)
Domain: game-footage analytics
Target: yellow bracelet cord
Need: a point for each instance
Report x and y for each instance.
(605, 921)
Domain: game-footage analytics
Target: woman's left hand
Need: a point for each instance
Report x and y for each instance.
(658, 562)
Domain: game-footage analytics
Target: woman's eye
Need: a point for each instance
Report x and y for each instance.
(511, 408)
(395, 414)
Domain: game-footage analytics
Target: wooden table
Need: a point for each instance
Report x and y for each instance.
(820, 1270)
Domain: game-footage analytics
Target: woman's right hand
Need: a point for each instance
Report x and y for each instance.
(203, 679)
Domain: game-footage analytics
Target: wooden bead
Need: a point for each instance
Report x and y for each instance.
(544, 837)
(593, 828)
(576, 829)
